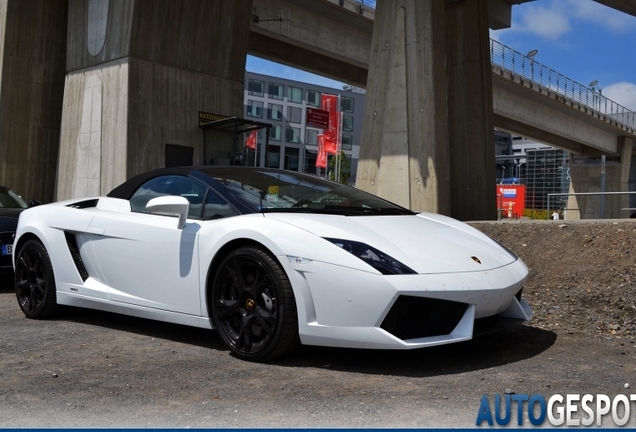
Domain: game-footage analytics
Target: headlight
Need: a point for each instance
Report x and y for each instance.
(511, 253)
(375, 258)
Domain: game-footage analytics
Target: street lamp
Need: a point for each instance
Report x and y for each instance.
(595, 87)
(531, 55)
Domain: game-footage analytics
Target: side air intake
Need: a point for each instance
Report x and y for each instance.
(77, 258)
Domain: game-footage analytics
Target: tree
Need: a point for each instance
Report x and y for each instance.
(345, 167)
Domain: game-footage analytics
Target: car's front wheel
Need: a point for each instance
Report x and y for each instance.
(34, 281)
(253, 306)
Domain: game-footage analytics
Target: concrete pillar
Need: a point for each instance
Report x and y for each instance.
(428, 129)
(470, 111)
(404, 155)
(32, 57)
(138, 73)
(588, 177)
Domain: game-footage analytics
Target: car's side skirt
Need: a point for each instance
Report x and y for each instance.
(65, 298)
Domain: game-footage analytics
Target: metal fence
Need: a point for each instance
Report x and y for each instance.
(602, 195)
(526, 67)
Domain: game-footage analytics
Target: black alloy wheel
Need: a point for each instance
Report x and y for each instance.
(34, 281)
(253, 306)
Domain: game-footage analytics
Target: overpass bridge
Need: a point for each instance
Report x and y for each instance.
(335, 38)
(93, 91)
(556, 110)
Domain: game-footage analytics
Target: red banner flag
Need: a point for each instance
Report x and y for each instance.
(329, 103)
(251, 140)
(321, 159)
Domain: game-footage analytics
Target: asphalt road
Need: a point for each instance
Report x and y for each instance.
(94, 369)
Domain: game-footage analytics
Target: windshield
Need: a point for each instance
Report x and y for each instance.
(269, 190)
(10, 199)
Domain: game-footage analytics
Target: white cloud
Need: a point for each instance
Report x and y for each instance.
(622, 93)
(597, 13)
(555, 18)
(549, 22)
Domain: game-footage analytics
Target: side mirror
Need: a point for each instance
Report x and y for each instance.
(170, 205)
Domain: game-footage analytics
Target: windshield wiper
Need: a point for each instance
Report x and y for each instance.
(317, 210)
(339, 210)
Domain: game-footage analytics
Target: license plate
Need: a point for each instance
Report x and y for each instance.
(7, 249)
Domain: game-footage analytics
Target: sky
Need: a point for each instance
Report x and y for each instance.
(580, 39)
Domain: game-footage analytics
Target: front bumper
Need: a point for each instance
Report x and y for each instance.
(343, 307)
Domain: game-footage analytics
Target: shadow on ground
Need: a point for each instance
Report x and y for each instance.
(492, 350)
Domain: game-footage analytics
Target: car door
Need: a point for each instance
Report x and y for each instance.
(146, 259)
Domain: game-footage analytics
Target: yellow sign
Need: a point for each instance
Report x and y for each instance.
(206, 117)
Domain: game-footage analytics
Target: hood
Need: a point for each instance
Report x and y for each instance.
(427, 243)
(9, 218)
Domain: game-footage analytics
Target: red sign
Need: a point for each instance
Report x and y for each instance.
(317, 118)
(251, 140)
(511, 200)
(332, 134)
(321, 160)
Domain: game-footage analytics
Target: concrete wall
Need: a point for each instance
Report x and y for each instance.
(32, 53)
(588, 177)
(139, 72)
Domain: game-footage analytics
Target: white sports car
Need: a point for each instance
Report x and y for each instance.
(272, 259)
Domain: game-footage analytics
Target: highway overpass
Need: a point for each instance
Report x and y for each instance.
(91, 91)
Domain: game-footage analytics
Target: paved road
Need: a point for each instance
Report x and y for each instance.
(93, 369)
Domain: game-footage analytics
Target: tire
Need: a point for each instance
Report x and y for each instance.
(253, 306)
(35, 282)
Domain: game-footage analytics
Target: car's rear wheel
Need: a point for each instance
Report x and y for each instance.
(34, 281)
(253, 306)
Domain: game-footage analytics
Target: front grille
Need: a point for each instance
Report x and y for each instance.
(418, 317)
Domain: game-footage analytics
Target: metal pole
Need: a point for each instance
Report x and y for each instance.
(602, 202)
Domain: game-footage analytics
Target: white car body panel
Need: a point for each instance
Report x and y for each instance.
(135, 268)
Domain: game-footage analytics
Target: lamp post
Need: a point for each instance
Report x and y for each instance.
(531, 55)
(595, 87)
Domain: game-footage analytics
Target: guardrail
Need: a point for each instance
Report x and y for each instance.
(526, 67)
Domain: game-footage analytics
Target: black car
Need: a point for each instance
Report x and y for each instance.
(11, 205)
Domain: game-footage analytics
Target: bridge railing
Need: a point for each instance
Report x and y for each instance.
(521, 65)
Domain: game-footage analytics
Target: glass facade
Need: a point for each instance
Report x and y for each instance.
(546, 172)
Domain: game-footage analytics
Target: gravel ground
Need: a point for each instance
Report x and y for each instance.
(94, 369)
(582, 274)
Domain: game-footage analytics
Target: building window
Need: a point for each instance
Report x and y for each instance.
(275, 112)
(273, 156)
(276, 91)
(294, 94)
(346, 104)
(347, 142)
(312, 137)
(255, 87)
(347, 123)
(254, 108)
(313, 97)
(292, 134)
(291, 159)
(310, 160)
(274, 133)
(294, 114)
